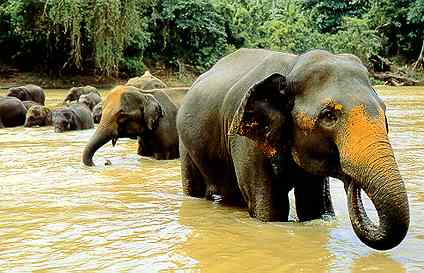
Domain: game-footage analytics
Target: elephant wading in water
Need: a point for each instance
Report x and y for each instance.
(75, 116)
(38, 115)
(12, 112)
(75, 93)
(131, 112)
(29, 92)
(260, 123)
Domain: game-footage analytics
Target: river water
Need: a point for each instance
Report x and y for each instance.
(57, 215)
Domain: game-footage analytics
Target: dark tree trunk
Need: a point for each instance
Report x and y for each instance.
(420, 61)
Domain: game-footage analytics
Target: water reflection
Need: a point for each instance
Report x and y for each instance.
(377, 262)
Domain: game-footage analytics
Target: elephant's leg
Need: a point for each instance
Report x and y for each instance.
(1, 124)
(312, 194)
(266, 195)
(192, 180)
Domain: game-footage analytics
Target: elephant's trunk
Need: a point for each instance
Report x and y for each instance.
(368, 163)
(100, 138)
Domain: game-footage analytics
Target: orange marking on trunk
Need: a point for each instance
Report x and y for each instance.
(361, 130)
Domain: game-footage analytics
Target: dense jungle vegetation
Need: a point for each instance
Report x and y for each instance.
(108, 37)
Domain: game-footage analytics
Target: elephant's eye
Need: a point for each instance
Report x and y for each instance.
(328, 117)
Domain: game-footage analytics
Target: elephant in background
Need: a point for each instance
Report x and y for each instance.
(90, 100)
(12, 112)
(260, 123)
(38, 115)
(75, 92)
(28, 92)
(75, 116)
(130, 112)
(146, 82)
(97, 112)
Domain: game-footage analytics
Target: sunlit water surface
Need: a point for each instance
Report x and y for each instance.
(58, 215)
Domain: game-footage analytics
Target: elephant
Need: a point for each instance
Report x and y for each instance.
(146, 82)
(260, 123)
(176, 94)
(38, 115)
(28, 92)
(12, 112)
(29, 103)
(90, 100)
(130, 112)
(75, 116)
(75, 92)
(97, 112)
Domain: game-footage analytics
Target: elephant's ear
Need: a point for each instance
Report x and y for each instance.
(152, 112)
(263, 113)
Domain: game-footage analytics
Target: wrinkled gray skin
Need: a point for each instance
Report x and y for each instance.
(38, 115)
(12, 112)
(75, 92)
(260, 123)
(29, 103)
(28, 92)
(90, 100)
(75, 116)
(97, 112)
(129, 112)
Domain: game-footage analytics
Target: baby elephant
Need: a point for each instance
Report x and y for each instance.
(38, 115)
(76, 116)
(75, 92)
(97, 112)
(90, 99)
(28, 92)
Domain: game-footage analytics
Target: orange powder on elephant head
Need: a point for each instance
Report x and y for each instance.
(360, 131)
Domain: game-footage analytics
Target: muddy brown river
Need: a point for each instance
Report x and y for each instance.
(59, 216)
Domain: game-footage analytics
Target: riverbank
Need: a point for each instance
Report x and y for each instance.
(12, 77)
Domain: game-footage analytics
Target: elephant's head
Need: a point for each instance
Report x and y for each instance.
(38, 115)
(126, 113)
(63, 119)
(20, 92)
(337, 127)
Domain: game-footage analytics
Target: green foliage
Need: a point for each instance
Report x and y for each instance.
(328, 15)
(188, 31)
(112, 36)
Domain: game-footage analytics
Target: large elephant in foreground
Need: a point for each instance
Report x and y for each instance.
(260, 123)
(29, 92)
(131, 112)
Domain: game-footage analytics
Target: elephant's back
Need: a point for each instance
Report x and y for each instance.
(219, 91)
(84, 114)
(12, 112)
